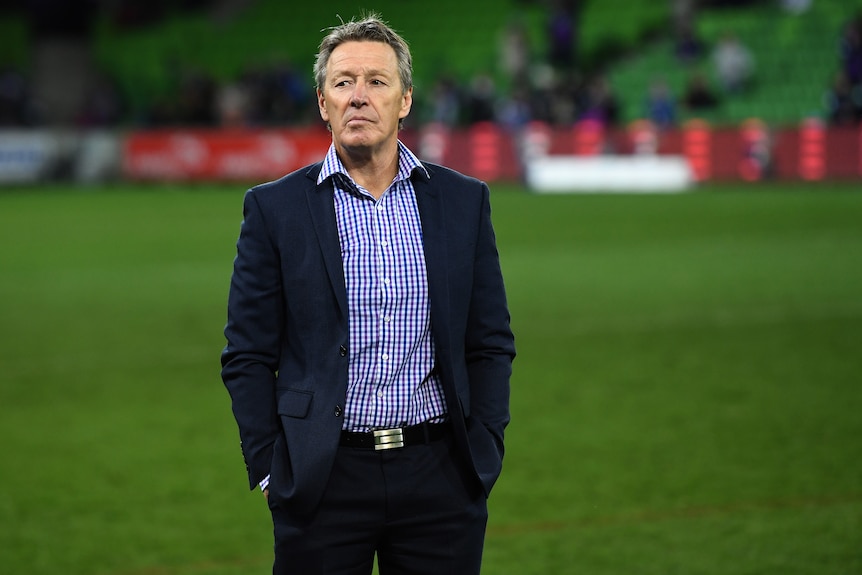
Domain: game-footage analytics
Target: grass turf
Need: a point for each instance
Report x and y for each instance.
(686, 398)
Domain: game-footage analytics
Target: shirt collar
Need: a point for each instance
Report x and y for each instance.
(407, 162)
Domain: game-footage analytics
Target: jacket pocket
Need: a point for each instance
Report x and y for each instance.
(294, 403)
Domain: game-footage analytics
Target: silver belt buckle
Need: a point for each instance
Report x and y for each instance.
(388, 438)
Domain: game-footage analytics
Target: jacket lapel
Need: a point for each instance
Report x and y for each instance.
(432, 216)
(322, 210)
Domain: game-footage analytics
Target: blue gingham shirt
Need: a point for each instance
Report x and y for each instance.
(391, 376)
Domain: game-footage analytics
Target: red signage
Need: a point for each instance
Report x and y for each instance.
(752, 151)
(812, 150)
(697, 148)
(245, 155)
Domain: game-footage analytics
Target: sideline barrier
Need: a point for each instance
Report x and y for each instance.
(244, 155)
(560, 174)
(32, 156)
(749, 152)
(752, 151)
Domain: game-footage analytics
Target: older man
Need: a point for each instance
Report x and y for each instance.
(368, 343)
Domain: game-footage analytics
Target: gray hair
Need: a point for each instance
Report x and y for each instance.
(369, 29)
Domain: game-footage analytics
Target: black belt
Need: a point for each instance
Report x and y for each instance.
(380, 439)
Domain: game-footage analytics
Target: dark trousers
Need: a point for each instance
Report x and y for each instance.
(417, 508)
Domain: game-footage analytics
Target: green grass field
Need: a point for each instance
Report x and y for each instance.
(687, 397)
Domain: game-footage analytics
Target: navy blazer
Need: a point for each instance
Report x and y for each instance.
(285, 362)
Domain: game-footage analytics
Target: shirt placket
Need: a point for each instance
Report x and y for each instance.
(385, 270)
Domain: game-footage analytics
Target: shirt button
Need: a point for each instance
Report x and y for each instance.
(385, 356)
(379, 394)
(342, 350)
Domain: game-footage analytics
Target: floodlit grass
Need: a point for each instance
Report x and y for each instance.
(686, 397)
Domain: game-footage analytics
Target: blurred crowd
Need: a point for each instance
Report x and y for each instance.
(731, 62)
(276, 94)
(844, 97)
(531, 82)
(543, 83)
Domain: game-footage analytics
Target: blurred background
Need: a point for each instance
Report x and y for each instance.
(777, 82)
(686, 397)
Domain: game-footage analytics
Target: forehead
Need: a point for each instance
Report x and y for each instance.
(355, 57)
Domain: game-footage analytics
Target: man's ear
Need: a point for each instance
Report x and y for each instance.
(406, 103)
(321, 105)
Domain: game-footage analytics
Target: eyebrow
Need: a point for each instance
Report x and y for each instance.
(369, 72)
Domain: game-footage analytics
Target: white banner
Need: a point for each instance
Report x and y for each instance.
(27, 156)
(561, 174)
(30, 156)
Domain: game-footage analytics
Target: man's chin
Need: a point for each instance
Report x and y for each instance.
(359, 142)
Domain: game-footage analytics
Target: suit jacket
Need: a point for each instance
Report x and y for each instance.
(286, 359)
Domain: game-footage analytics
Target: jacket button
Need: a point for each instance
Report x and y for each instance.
(342, 350)
(337, 411)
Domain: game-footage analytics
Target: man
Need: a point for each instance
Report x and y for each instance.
(734, 63)
(368, 344)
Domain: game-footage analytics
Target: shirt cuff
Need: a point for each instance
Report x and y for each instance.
(265, 483)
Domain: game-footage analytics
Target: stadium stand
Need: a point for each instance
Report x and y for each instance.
(270, 31)
(795, 58)
(630, 42)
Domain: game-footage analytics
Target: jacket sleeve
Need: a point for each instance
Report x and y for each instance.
(489, 342)
(253, 332)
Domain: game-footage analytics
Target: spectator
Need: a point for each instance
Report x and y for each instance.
(850, 48)
(734, 64)
(660, 105)
(687, 46)
(444, 102)
(514, 51)
(698, 95)
(232, 102)
(542, 83)
(15, 100)
(566, 97)
(601, 103)
(843, 102)
(481, 100)
(103, 105)
(756, 162)
(290, 95)
(515, 111)
(251, 93)
(562, 33)
(197, 100)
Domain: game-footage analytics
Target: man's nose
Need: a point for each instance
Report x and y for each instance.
(357, 98)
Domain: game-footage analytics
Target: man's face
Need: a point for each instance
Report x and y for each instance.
(362, 98)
